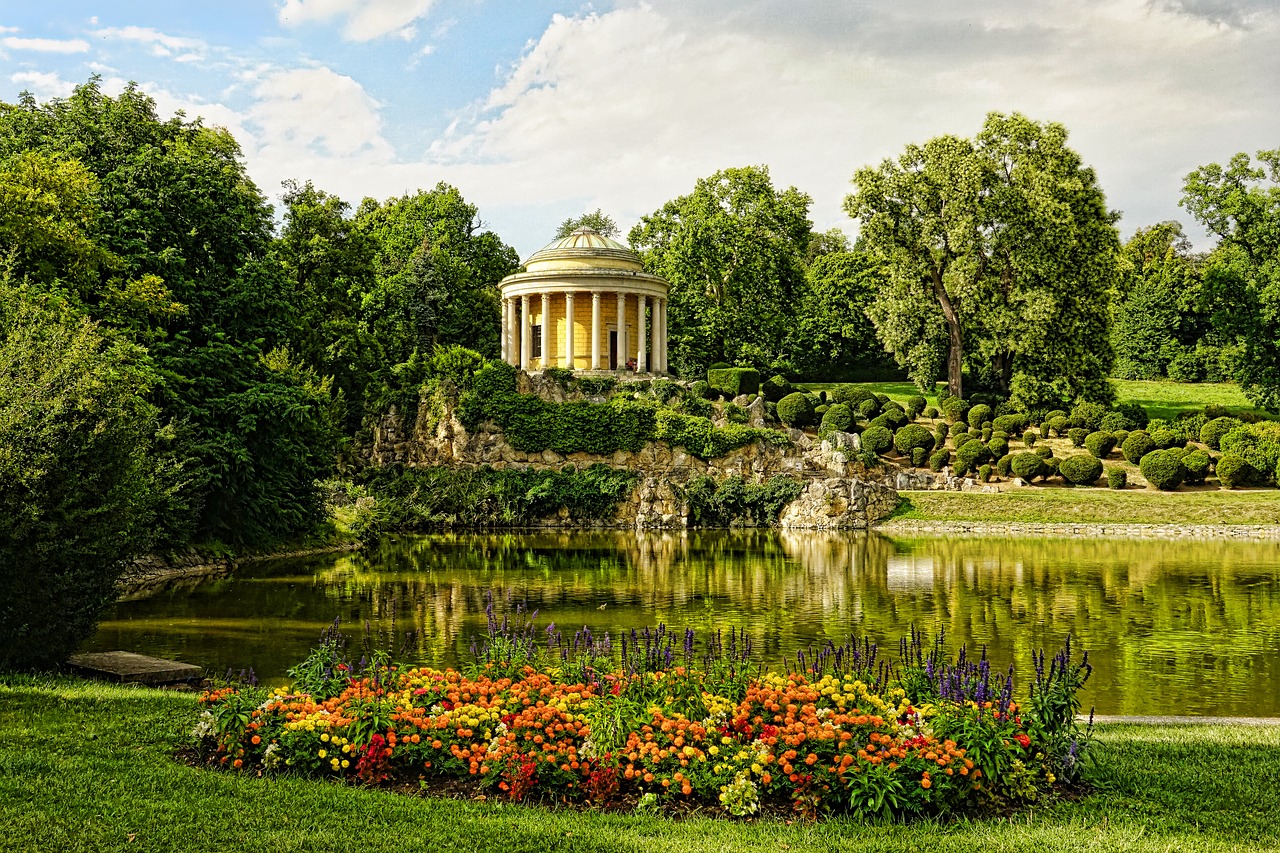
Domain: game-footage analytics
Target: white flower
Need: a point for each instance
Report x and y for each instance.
(206, 727)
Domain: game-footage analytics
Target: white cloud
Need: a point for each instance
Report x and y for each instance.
(162, 44)
(316, 111)
(43, 84)
(46, 45)
(365, 19)
(4, 30)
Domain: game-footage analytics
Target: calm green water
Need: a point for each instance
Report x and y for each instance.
(1172, 628)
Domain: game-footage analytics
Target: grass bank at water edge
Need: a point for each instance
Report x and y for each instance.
(89, 767)
(1050, 505)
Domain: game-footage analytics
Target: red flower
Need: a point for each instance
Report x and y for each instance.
(1023, 739)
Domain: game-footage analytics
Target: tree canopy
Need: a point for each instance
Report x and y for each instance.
(597, 220)
(1000, 256)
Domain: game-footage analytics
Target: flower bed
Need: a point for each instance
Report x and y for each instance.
(929, 735)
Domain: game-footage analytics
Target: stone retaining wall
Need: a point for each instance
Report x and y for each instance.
(976, 529)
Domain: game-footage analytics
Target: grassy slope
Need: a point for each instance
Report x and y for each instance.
(89, 767)
(1039, 504)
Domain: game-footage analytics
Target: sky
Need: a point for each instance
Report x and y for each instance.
(539, 110)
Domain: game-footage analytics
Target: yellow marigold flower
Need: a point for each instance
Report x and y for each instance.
(322, 753)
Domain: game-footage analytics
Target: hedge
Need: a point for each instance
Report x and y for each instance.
(1082, 469)
(1162, 469)
(705, 440)
(734, 381)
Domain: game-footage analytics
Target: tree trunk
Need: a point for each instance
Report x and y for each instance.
(955, 354)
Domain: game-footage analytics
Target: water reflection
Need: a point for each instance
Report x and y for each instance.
(1181, 628)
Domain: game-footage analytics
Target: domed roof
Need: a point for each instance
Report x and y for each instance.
(584, 244)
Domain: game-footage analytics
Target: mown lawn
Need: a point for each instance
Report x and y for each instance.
(1047, 504)
(89, 767)
(1160, 399)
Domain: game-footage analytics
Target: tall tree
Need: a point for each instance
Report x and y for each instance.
(733, 251)
(1240, 203)
(832, 335)
(1001, 256)
(598, 220)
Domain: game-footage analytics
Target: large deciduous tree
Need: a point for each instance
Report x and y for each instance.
(597, 221)
(1240, 203)
(1001, 256)
(733, 251)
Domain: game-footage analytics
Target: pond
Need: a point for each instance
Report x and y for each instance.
(1171, 627)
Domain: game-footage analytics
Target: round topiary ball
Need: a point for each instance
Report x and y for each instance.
(1233, 471)
(877, 438)
(1117, 478)
(1029, 437)
(1027, 466)
(939, 459)
(1213, 431)
(795, 410)
(1162, 469)
(969, 456)
(915, 405)
(911, 436)
(931, 413)
(1137, 445)
(1082, 469)
(838, 418)
(1164, 439)
(776, 387)
(1002, 465)
(1100, 443)
(869, 407)
(979, 415)
(1059, 424)
(984, 473)
(1077, 436)
(1044, 451)
(919, 456)
(1196, 464)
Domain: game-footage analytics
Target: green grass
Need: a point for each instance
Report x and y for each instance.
(90, 767)
(1047, 505)
(1160, 399)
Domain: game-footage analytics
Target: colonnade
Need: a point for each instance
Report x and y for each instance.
(648, 351)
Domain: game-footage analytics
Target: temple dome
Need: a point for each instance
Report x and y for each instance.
(585, 247)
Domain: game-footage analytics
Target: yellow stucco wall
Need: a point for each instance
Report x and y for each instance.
(582, 330)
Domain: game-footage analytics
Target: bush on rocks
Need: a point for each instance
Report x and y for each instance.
(1233, 470)
(1137, 445)
(1100, 444)
(796, 410)
(1162, 469)
(911, 436)
(939, 459)
(1082, 469)
(838, 418)
(776, 387)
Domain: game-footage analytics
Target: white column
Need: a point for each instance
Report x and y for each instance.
(502, 330)
(546, 330)
(595, 330)
(568, 331)
(666, 367)
(622, 330)
(513, 334)
(526, 332)
(659, 334)
(641, 365)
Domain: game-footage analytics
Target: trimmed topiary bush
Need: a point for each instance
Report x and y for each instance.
(939, 459)
(1077, 436)
(734, 381)
(1027, 466)
(911, 436)
(1162, 469)
(1137, 445)
(919, 456)
(915, 405)
(837, 418)
(869, 407)
(1196, 465)
(984, 473)
(979, 415)
(969, 456)
(1044, 429)
(1100, 444)
(702, 388)
(1259, 445)
(1044, 451)
(1012, 424)
(940, 435)
(1121, 435)
(776, 387)
(1088, 415)
(1029, 437)
(876, 438)
(1059, 425)
(1165, 439)
(796, 410)
(1002, 465)
(998, 445)
(1083, 469)
(1117, 478)
(954, 408)
(1213, 431)
(961, 439)
(895, 417)
(1233, 470)
(931, 413)
(958, 428)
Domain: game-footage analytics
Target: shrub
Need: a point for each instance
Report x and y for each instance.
(775, 388)
(869, 407)
(895, 417)
(820, 411)
(1082, 469)
(876, 438)
(911, 436)
(1027, 466)
(1121, 435)
(960, 439)
(795, 410)
(954, 408)
(1059, 425)
(969, 456)
(1162, 469)
(1186, 366)
(1213, 431)
(1233, 470)
(1100, 443)
(701, 408)
(735, 414)
(998, 445)
(1137, 445)
(915, 405)
(986, 434)
(734, 381)
(1088, 415)
(1135, 413)
(1002, 465)
(1187, 425)
(1029, 437)
(979, 415)
(838, 418)
(1044, 451)
(664, 389)
(1113, 421)
(931, 413)
(719, 365)
(1165, 439)
(984, 473)
(1044, 429)
(958, 428)
(940, 435)
(1196, 464)
(1258, 444)
(702, 388)
(1117, 478)
(1012, 424)
(919, 456)
(939, 459)
(1077, 436)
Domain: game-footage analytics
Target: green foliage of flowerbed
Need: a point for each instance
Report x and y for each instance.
(428, 498)
(665, 721)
